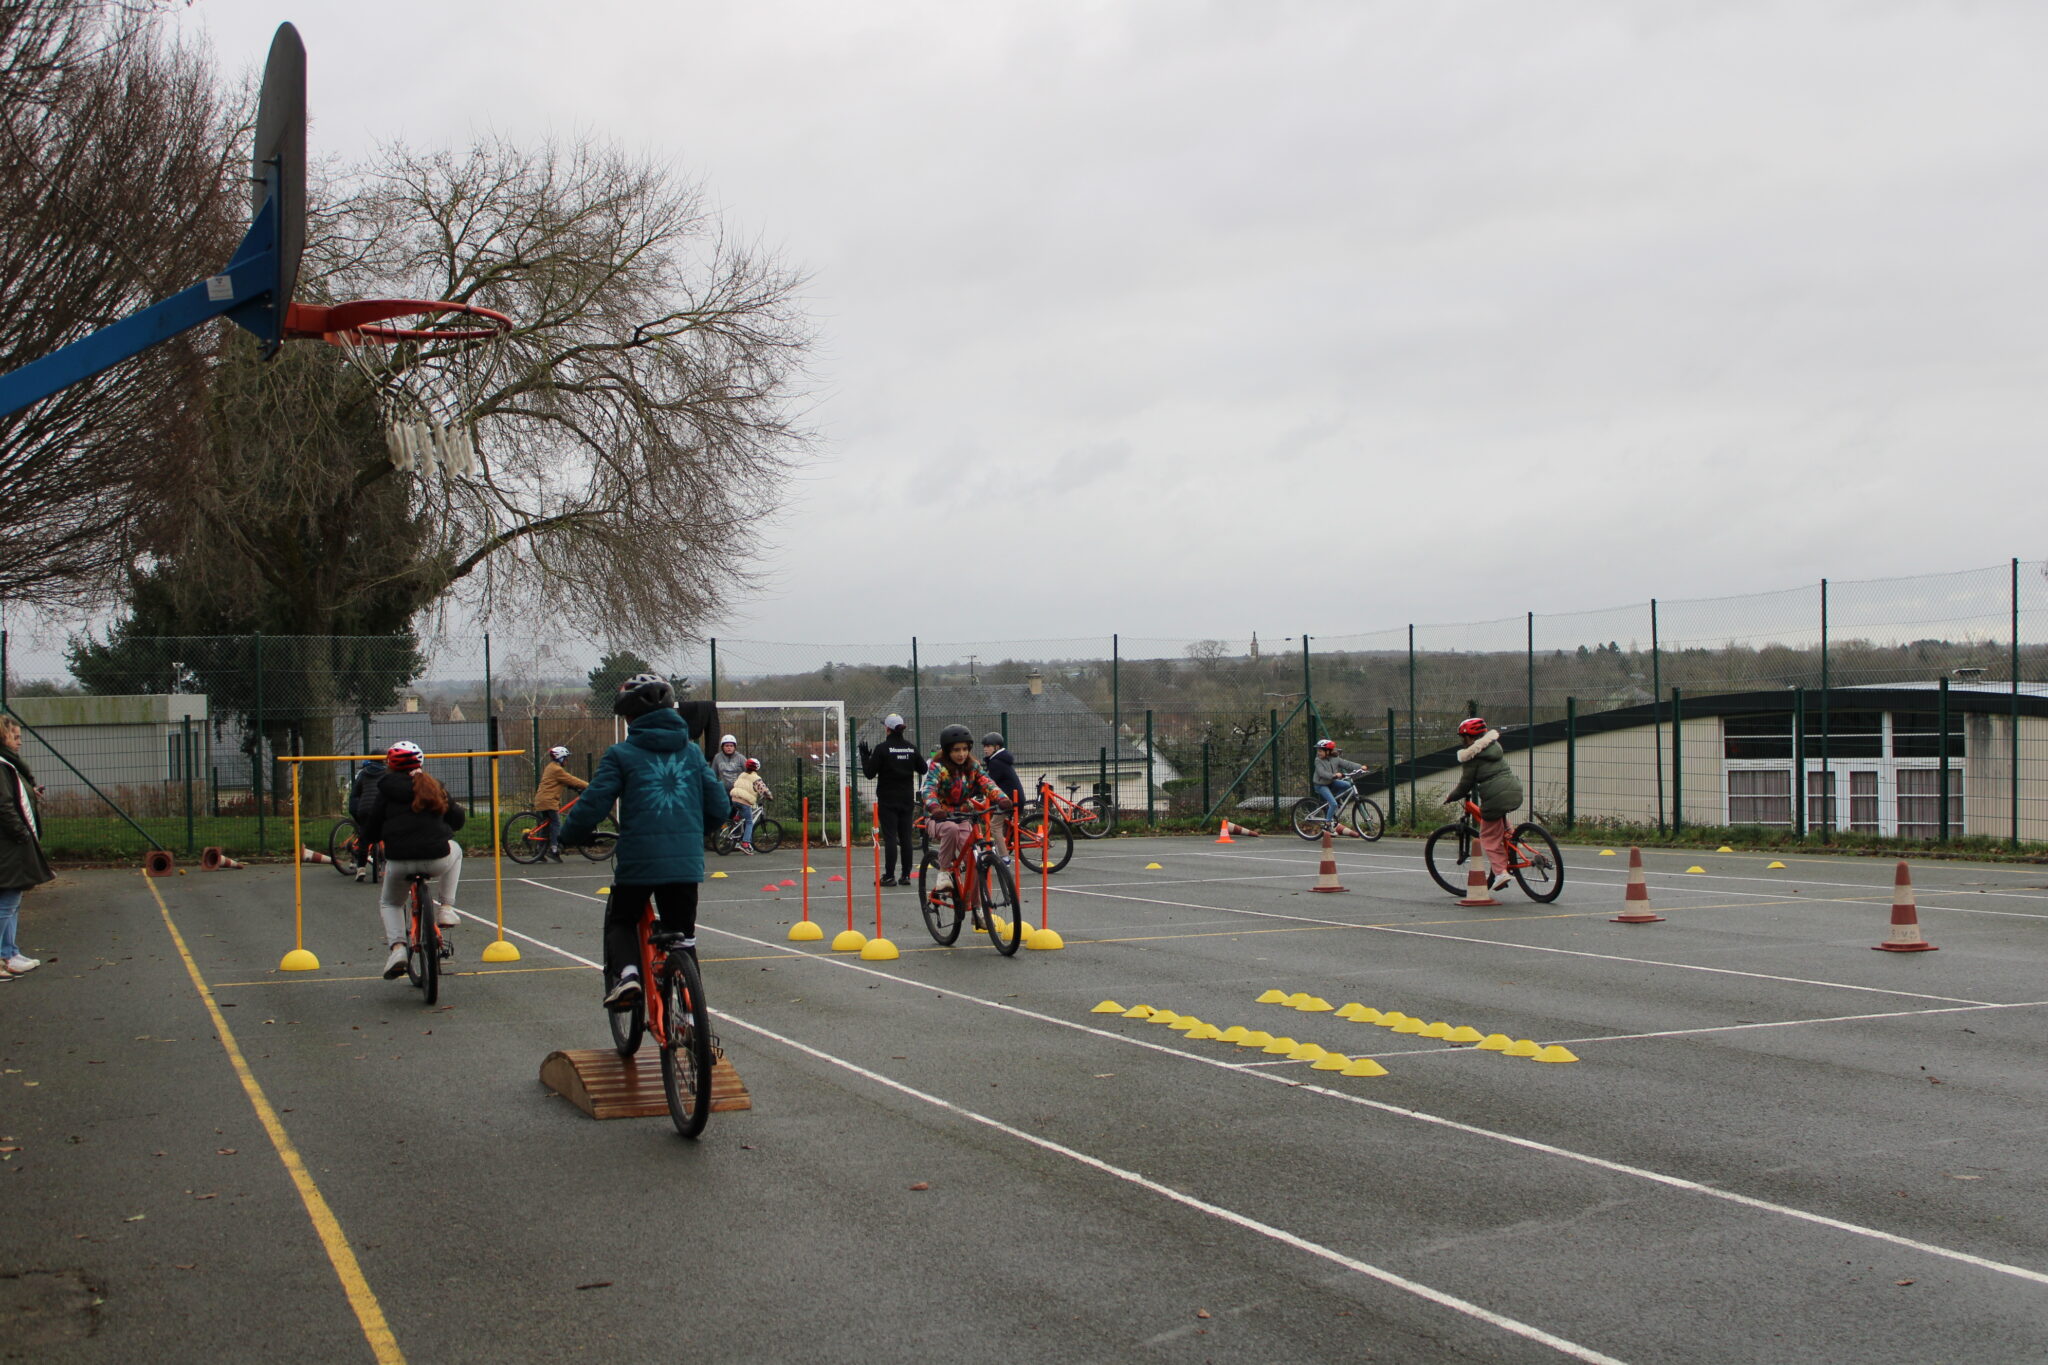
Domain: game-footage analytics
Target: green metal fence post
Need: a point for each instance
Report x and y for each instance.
(1531, 736)
(1102, 787)
(3, 668)
(713, 641)
(365, 717)
(490, 688)
(1941, 723)
(1205, 774)
(1273, 719)
(1149, 819)
(1571, 762)
(1414, 792)
(186, 764)
(1004, 727)
(1657, 708)
(535, 721)
(1392, 812)
(1827, 773)
(256, 757)
(1799, 763)
(1116, 714)
(1677, 761)
(916, 699)
(2014, 721)
(1313, 731)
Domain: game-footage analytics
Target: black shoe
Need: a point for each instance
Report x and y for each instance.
(625, 994)
(889, 879)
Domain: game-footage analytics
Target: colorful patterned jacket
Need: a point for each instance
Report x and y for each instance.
(947, 794)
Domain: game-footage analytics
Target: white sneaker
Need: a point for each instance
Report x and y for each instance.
(446, 917)
(362, 874)
(942, 883)
(21, 962)
(1501, 882)
(394, 965)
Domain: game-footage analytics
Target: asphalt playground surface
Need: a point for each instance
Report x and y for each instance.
(1777, 1145)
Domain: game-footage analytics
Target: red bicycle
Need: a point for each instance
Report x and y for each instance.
(671, 1006)
(1533, 856)
(982, 890)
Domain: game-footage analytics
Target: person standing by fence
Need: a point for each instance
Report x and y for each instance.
(22, 864)
(896, 768)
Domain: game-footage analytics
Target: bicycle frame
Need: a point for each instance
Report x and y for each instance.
(651, 998)
(1468, 833)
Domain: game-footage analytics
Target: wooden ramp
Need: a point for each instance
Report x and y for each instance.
(605, 1085)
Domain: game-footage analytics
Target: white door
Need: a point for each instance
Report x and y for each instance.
(1848, 796)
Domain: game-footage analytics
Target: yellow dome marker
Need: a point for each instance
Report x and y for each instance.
(1351, 1011)
(1154, 867)
(1307, 1052)
(1297, 1000)
(1724, 849)
(1234, 1034)
(1695, 869)
(1391, 1019)
(1202, 1033)
(1495, 1042)
(1364, 1066)
(1367, 1015)
(1521, 1047)
(1316, 1005)
(810, 869)
(604, 891)
(878, 950)
(1409, 1026)
(1463, 1033)
(1279, 1047)
(1044, 940)
(1273, 998)
(1164, 1017)
(806, 931)
(1331, 1061)
(1258, 1037)
(1607, 853)
(849, 941)
(1769, 866)
(1138, 1012)
(1184, 1023)
(1555, 1053)
(716, 876)
(299, 960)
(1107, 1007)
(1439, 1029)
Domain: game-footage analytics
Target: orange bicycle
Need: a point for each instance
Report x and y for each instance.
(1533, 856)
(671, 1007)
(1091, 817)
(983, 890)
(525, 843)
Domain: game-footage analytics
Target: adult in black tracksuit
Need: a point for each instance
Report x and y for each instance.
(897, 768)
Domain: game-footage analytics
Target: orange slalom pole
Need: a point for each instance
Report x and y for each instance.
(875, 840)
(806, 874)
(846, 837)
(1044, 869)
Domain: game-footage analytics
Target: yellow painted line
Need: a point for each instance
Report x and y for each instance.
(369, 1313)
(302, 980)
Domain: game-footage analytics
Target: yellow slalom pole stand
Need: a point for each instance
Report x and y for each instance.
(1044, 940)
(849, 941)
(879, 950)
(298, 959)
(502, 949)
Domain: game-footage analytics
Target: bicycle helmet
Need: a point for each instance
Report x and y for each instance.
(403, 756)
(1473, 728)
(954, 734)
(994, 737)
(724, 740)
(642, 693)
(559, 752)
(1328, 746)
(753, 765)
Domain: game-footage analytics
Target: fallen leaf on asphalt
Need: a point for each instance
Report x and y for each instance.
(596, 1284)
(176, 1266)
(215, 1195)
(921, 1185)
(225, 1151)
(1201, 1312)
(136, 1219)
(1902, 1283)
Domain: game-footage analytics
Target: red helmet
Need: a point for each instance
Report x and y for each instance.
(753, 765)
(1328, 746)
(1473, 728)
(403, 756)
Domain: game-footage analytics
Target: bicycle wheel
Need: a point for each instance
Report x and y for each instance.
(520, 843)
(1448, 849)
(627, 1026)
(341, 846)
(1367, 819)
(415, 965)
(430, 951)
(1308, 817)
(1543, 877)
(726, 840)
(686, 1065)
(1098, 817)
(767, 834)
(603, 844)
(1059, 850)
(999, 897)
(941, 915)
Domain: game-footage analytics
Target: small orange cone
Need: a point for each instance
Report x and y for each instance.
(157, 863)
(1223, 835)
(1326, 879)
(1635, 905)
(1476, 891)
(209, 858)
(228, 864)
(313, 855)
(1243, 831)
(1905, 919)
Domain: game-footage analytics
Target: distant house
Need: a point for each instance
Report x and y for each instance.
(1053, 734)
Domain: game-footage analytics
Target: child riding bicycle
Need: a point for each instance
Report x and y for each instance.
(1330, 781)
(414, 817)
(1483, 771)
(556, 781)
(665, 793)
(952, 790)
(749, 794)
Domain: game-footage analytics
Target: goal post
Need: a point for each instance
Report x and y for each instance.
(803, 733)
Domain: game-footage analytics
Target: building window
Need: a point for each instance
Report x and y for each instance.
(1767, 736)
(1917, 734)
(1920, 802)
(1760, 796)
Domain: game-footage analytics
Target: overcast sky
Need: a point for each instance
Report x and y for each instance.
(1460, 309)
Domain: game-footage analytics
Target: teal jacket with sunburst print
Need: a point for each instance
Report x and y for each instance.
(667, 796)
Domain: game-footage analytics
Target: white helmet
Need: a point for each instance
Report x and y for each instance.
(728, 739)
(559, 752)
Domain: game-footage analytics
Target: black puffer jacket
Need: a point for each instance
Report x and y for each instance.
(1002, 766)
(897, 768)
(415, 835)
(22, 864)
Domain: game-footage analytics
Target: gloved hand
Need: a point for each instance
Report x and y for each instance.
(865, 751)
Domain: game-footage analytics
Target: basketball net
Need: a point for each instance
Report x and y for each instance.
(426, 391)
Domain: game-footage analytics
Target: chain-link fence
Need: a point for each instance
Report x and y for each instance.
(1900, 709)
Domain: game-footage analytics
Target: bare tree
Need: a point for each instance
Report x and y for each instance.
(116, 189)
(1208, 653)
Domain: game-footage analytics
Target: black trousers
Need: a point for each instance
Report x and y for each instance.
(896, 831)
(676, 904)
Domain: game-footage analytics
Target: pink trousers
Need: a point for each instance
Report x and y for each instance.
(1493, 837)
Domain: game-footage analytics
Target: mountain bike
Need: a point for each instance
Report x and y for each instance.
(671, 1007)
(767, 831)
(345, 847)
(1355, 812)
(1091, 817)
(424, 945)
(983, 892)
(1533, 856)
(524, 842)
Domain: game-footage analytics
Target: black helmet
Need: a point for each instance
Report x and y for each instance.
(954, 734)
(641, 693)
(994, 737)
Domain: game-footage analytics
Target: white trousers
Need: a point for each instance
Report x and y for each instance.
(446, 871)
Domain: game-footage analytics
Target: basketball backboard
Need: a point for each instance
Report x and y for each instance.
(278, 176)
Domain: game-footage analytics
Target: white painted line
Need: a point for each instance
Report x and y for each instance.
(1796, 1023)
(1387, 1277)
(1435, 1120)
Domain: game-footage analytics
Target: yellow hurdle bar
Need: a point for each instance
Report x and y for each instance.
(360, 758)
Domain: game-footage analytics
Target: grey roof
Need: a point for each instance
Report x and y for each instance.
(1055, 727)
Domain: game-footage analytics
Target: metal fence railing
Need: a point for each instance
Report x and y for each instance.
(1913, 709)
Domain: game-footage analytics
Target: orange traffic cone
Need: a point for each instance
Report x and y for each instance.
(1905, 919)
(1223, 835)
(1477, 891)
(228, 864)
(1326, 879)
(1243, 831)
(313, 855)
(157, 863)
(1635, 905)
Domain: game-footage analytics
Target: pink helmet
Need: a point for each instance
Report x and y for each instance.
(1473, 728)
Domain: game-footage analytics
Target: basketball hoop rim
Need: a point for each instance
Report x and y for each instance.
(351, 323)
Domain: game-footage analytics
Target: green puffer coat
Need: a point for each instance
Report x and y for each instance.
(667, 797)
(1484, 773)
